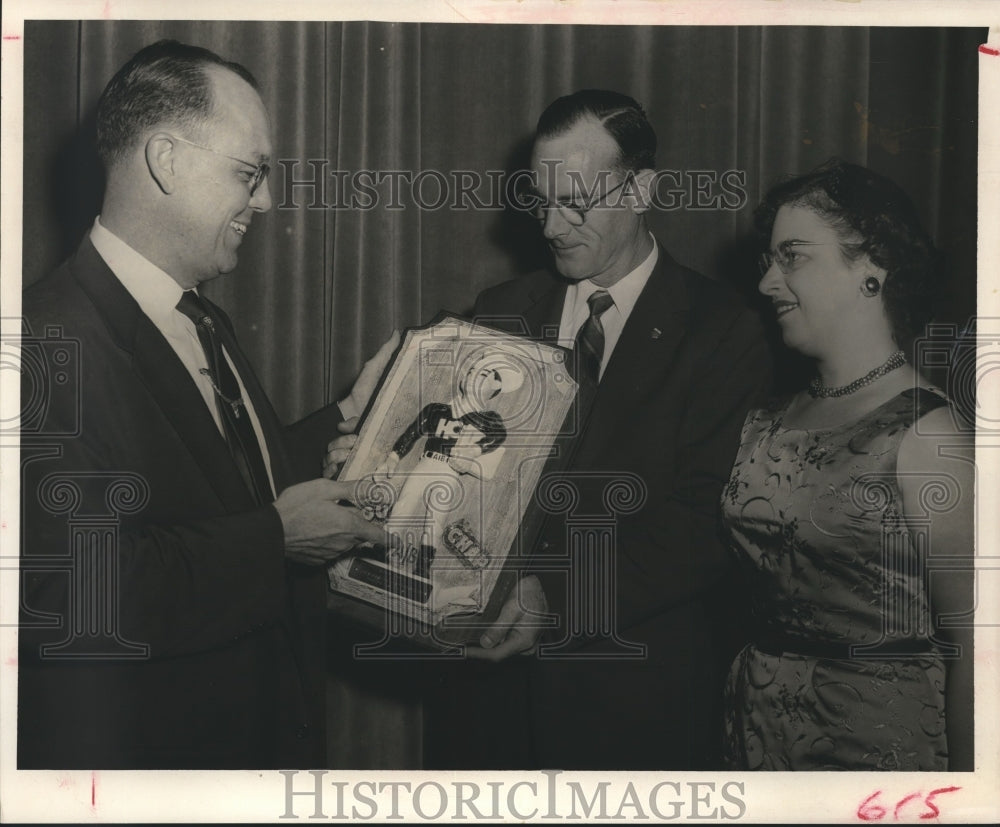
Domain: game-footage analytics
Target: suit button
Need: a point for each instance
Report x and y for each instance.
(302, 732)
(545, 545)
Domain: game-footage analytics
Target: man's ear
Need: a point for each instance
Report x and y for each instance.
(160, 161)
(640, 187)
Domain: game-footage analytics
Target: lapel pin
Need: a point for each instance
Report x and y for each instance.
(656, 333)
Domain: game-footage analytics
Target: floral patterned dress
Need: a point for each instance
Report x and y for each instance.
(843, 674)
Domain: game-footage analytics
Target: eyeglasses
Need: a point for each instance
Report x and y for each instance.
(257, 177)
(574, 214)
(784, 256)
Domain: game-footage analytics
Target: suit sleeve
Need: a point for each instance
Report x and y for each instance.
(306, 442)
(176, 571)
(178, 586)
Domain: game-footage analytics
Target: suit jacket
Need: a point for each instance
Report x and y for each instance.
(209, 641)
(666, 418)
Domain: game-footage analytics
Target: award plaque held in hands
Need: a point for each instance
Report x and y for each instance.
(464, 425)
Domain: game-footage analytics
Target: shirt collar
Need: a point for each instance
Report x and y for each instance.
(152, 288)
(626, 290)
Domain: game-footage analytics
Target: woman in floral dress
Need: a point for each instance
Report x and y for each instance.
(844, 498)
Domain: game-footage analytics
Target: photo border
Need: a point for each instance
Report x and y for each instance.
(252, 796)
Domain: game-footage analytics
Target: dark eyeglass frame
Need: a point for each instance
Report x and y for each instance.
(574, 215)
(260, 171)
(782, 255)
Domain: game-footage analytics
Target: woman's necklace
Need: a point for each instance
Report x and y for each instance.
(818, 391)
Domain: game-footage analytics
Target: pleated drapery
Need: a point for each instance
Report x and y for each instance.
(323, 281)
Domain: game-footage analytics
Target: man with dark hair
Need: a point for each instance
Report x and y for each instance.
(621, 116)
(173, 587)
(669, 362)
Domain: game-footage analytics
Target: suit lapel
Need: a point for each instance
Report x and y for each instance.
(158, 368)
(647, 346)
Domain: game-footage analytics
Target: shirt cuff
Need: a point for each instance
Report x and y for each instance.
(347, 408)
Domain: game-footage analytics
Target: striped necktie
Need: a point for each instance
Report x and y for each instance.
(590, 339)
(236, 425)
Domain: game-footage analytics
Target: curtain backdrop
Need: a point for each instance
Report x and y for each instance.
(320, 285)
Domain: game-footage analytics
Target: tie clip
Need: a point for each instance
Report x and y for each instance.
(235, 404)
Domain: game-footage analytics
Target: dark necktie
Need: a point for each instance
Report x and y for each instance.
(590, 339)
(236, 425)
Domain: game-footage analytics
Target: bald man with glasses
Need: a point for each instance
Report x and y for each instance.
(175, 533)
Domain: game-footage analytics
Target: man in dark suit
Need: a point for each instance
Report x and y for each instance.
(173, 584)
(669, 363)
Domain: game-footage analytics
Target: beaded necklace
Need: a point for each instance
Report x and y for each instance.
(818, 391)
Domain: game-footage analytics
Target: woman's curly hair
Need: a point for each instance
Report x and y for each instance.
(874, 217)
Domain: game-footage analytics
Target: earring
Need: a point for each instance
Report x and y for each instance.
(870, 287)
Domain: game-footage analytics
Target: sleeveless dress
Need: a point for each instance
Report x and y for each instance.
(843, 673)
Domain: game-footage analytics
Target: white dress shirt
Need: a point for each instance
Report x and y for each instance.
(625, 293)
(157, 295)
